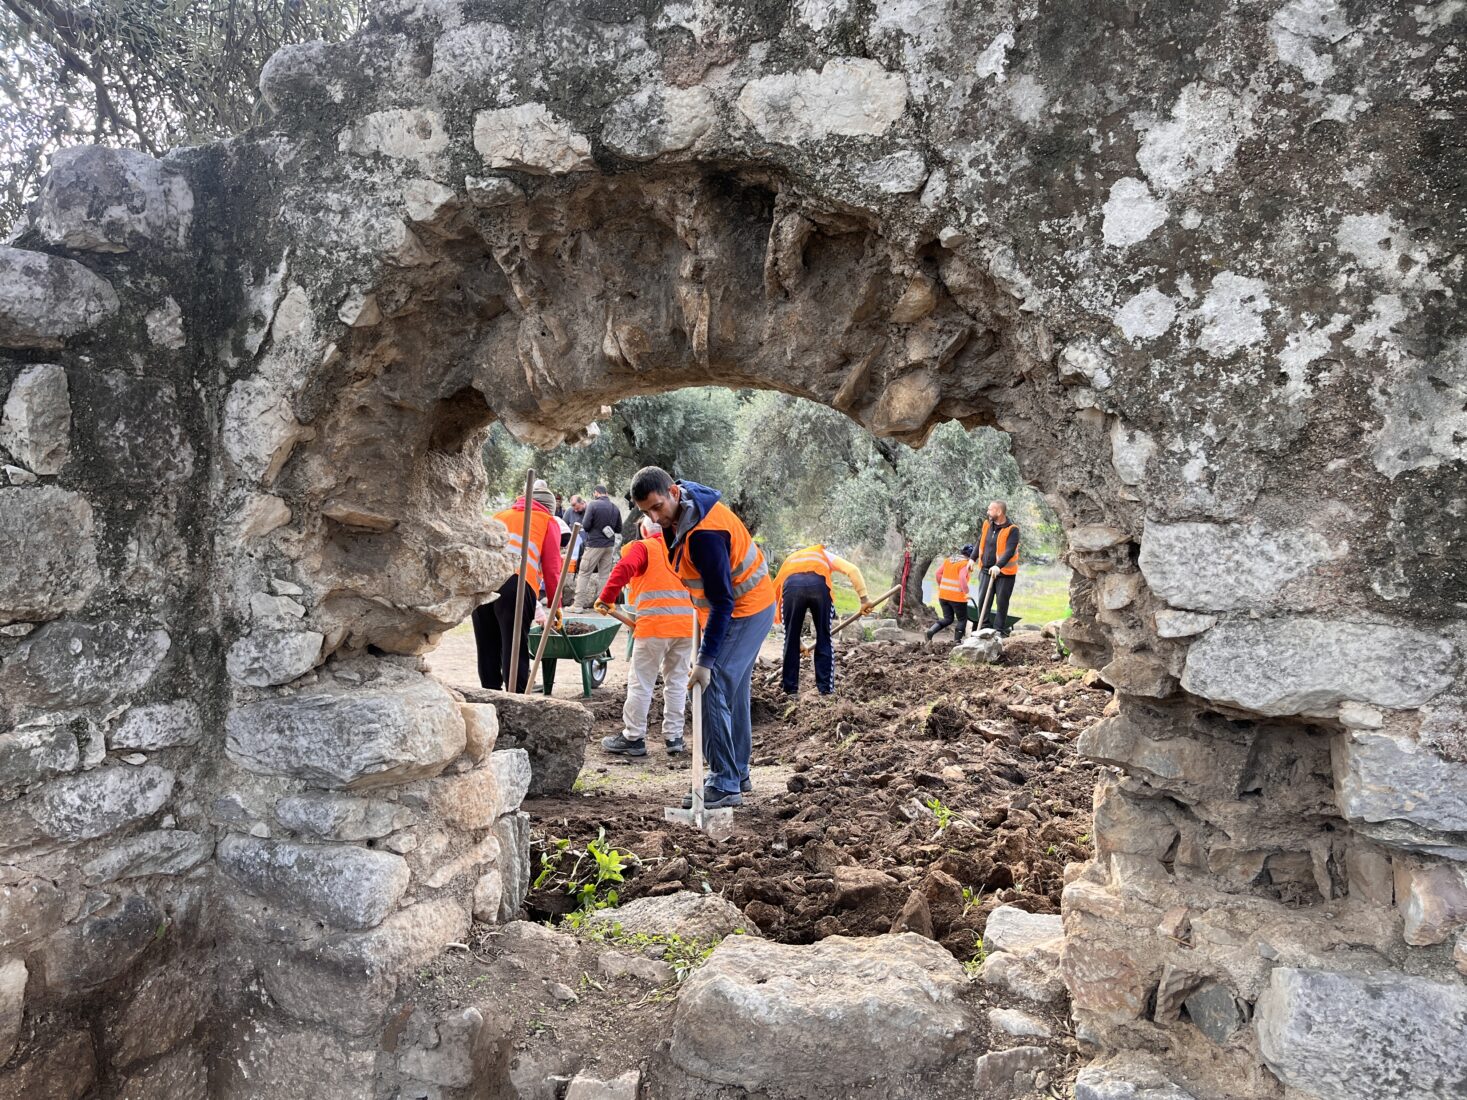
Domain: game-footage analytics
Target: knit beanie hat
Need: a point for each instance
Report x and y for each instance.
(542, 494)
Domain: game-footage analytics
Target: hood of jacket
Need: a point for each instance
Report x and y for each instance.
(694, 503)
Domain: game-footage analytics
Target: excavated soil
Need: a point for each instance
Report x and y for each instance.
(925, 793)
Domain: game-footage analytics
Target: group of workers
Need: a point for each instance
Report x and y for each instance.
(997, 557)
(704, 601)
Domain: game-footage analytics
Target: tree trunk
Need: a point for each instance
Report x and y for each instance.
(914, 611)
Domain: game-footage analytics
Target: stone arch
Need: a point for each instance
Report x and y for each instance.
(244, 388)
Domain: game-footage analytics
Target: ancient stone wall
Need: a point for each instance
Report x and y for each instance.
(1200, 261)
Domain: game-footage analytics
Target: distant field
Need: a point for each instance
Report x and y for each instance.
(1042, 594)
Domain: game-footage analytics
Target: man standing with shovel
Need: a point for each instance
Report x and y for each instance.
(724, 570)
(998, 555)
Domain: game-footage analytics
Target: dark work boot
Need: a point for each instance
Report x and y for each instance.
(623, 747)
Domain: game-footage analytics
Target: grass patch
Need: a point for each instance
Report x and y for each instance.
(1041, 595)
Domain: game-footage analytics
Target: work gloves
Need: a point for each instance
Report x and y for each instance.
(603, 607)
(558, 621)
(993, 570)
(700, 677)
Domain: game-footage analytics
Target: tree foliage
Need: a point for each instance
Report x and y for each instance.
(142, 74)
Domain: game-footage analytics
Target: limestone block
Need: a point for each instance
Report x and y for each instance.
(294, 73)
(71, 664)
(266, 658)
(64, 1069)
(658, 119)
(1368, 871)
(403, 133)
(481, 729)
(512, 769)
(350, 979)
(263, 1057)
(1092, 538)
(1192, 765)
(470, 859)
(35, 425)
(812, 1018)
(487, 192)
(897, 174)
(342, 817)
(489, 896)
(162, 852)
(529, 138)
(450, 1053)
(1380, 1036)
(350, 737)
(1291, 665)
(693, 916)
(98, 802)
(36, 751)
(344, 885)
(1435, 904)
(1226, 567)
(470, 800)
(1012, 929)
(1214, 1011)
(853, 97)
(160, 1014)
(1125, 1078)
(165, 325)
(552, 731)
(90, 953)
(30, 909)
(1109, 983)
(1181, 624)
(157, 726)
(1118, 590)
(260, 429)
(994, 1073)
(1130, 452)
(45, 300)
(96, 199)
(181, 1075)
(1139, 674)
(1385, 777)
(513, 833)
(48, 553)
(13, 975)
(585, 1087)
(906, 404)
(1019, 1024)
(917, 301)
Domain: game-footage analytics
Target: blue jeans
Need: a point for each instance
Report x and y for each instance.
(728, 732)
(808, 592)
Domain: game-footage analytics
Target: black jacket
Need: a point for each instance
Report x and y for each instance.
(602, 512)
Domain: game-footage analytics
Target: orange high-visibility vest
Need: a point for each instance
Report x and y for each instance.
(1001, 544)
(657, 597)
(952, 580)
(752, 589)
(812, 559)
(539, 523)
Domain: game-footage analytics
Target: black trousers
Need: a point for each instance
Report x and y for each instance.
(808, 592)
(496, 635)
(1003, 588)
(952, 610)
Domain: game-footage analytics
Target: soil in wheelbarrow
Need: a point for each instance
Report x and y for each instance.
(576, 628)
(925, 793)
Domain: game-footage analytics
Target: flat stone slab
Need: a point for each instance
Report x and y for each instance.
(1012, 929)
(809, 1020)
(346, 886)
(1381, 1036)
(693, 916)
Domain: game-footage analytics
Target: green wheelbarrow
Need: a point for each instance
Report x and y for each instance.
(977, 612)
(592, 651)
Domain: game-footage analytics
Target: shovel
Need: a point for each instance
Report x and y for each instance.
(554, 607)
(986, 596)
(805, 650)
(716, 823)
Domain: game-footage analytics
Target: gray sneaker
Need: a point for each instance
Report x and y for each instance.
(714, 799)
(676, 745)
(623, 747)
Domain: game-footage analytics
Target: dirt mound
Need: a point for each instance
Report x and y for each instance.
(925, 793)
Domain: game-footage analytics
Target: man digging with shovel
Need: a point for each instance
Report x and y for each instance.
(718, 561)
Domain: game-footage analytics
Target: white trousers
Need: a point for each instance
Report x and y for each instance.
(670, 658)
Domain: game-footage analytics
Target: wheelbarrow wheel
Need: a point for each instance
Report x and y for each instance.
(598, 671)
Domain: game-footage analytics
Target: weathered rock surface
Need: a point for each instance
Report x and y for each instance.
(1126, 1079)
(181, 1075)
(513, 833)
(35, 424)
(90, 953)
(96, 803)
(1383, 1036)
(808, 1019)
(1012, 929)
(113, 200)
(552, 731)
(512, 772)
(164, 852)
(264, 1057)
(529, 138)
(269, 657)
(362, 737)
(65, 1069)
(1385, 777)
(341, 884)
(34, 752)
(13, 975)
(45, 300)
(1293, 665)
(702, 917)
(70, 664)
(1227, 567)
(161, 1014)
(48, 554)
(157, 726)
(342, 817)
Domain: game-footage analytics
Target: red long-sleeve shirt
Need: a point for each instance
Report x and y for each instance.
(633, 562)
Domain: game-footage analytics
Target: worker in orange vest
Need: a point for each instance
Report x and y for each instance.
(805, 582)
(952, 593)
(998, 556)
(663, 641)
(495, 631)
(725, 572)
